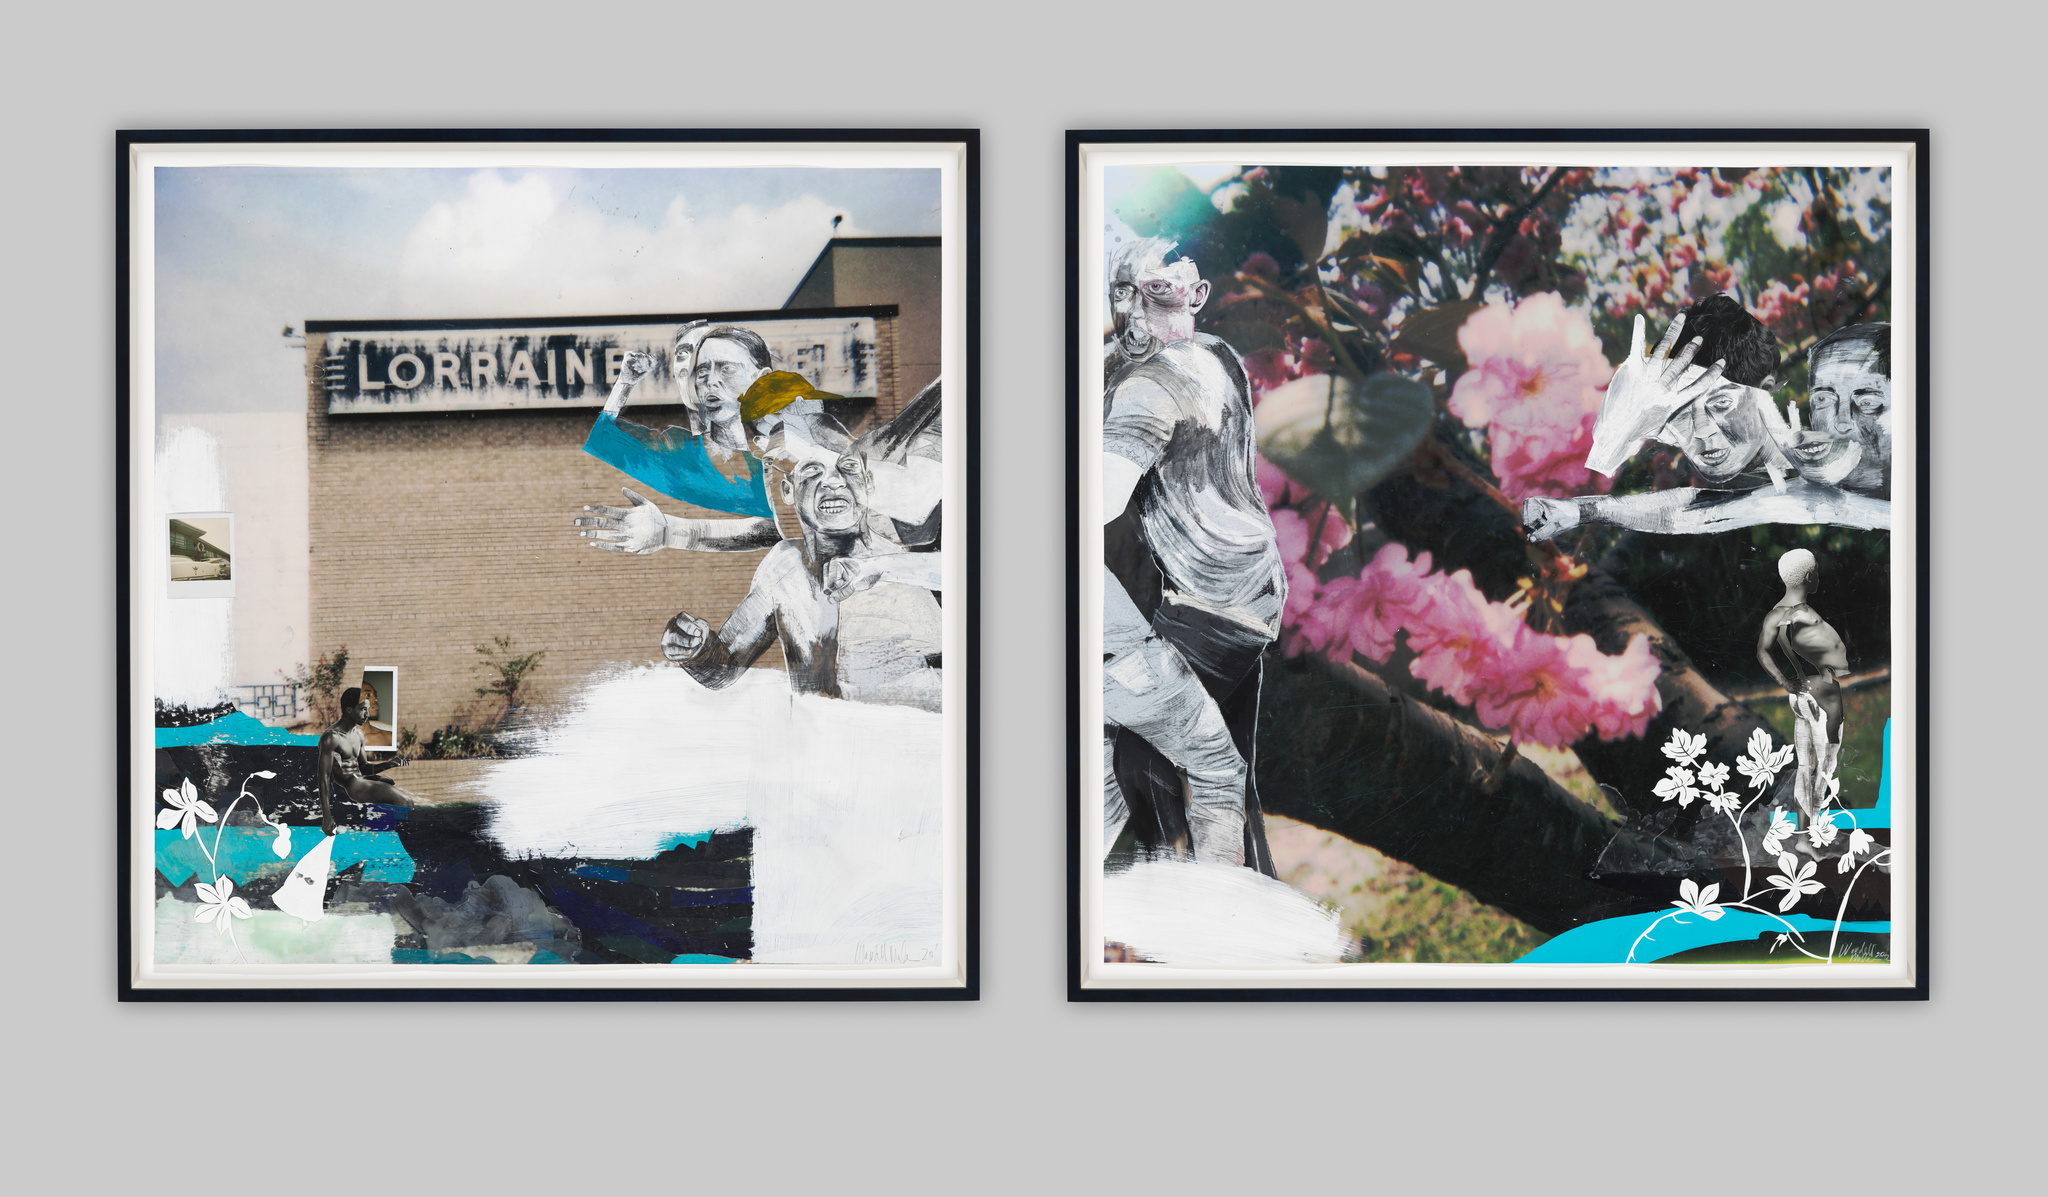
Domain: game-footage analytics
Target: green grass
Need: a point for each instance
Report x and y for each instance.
(1395, 911)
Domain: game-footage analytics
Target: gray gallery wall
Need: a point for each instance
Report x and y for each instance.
(1021, 1092)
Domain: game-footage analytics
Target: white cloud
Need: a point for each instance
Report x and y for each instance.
(525, 246)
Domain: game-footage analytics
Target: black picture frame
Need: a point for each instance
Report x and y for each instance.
(1080, 357)
(969, 229)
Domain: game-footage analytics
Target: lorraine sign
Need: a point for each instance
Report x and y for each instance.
(474, 365)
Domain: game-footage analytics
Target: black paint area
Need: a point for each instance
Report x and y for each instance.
(183, 716)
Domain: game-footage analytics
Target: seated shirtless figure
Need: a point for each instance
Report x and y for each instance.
(1814, 657)
(343, 761)
(853, 609)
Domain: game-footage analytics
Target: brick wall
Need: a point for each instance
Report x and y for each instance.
(431, 533)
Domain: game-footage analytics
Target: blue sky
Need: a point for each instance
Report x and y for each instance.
(242, 252)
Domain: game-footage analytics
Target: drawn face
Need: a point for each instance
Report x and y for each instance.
(765, 436)
(724, 372)
(1817, 451)
(1852, 400)
(825, 482)
(1156, 307)
(1721, 434)
(682, 360)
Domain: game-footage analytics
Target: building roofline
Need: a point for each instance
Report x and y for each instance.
(877, 310)
(860, 243)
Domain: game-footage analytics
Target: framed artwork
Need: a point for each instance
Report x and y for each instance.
(548, 564)
(1498, 564)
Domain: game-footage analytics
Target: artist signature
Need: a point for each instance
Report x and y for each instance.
(1864, 951)
(893, 953)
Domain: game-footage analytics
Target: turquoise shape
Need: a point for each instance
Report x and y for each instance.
(1608, 941)
(235, 728)
(678, 470)
(245, 854)
(702, 958)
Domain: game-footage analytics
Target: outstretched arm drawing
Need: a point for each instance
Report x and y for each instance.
(850, 575)
(644, 528)
(715, 660)
(1693, 509)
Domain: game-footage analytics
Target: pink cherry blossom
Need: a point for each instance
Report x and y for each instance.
(1534, 691)
(1623, 688)
(1537, 453)
(1279, 490)
(1459, 635)
(1390, 596)
(1269, 368)
(1535, 383)
(1292, 531)
(1541, 689)
(1783, 308)
(1323, 624)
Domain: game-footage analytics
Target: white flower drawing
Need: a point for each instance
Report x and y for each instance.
(219, 900)
(1724, 802)
(282, 845)
(1677, 783)
(186, 808)
(1821, 832)
(1684, 747)
(1860, 841)
(1714, 775)
(1783, 939)
(1694, 900)
(1759, 764)
(1796, 880)
(1781, 829)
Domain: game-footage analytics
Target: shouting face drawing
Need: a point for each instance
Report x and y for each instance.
(1152, 301)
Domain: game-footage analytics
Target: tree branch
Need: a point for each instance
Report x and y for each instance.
(1504, 231)
(1339, 750)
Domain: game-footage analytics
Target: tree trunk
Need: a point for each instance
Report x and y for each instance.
(1340, 750)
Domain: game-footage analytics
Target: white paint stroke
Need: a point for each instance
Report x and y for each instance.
(847, 836)
(194, 636)
(1189, 912)
(844, 798)
(632, 759)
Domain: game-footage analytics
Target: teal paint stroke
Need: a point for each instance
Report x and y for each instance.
(1609, 940)
(235, 728)
(679, 469)
(691, 839)
(702, 958)
(245, 854)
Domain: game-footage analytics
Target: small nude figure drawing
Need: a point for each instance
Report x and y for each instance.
(343, 762)
(1813, 657)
